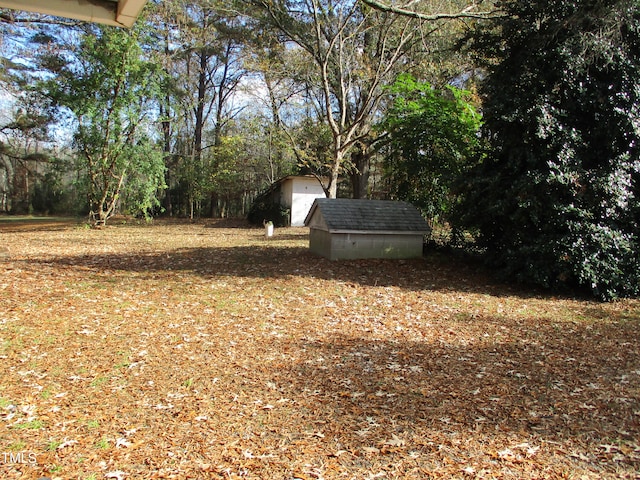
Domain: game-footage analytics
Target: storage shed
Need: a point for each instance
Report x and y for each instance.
(351, 229)
(294, 194)
(298, 194)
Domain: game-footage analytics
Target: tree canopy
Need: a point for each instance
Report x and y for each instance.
(432, 138)
(107, 88)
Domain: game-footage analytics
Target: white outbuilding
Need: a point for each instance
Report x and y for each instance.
(289, 200)
(298, 194)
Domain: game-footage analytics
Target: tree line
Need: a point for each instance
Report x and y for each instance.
(225, 98)
(513, 123)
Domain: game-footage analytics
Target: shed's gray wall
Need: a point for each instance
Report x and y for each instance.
(320, 242)
(337, 246)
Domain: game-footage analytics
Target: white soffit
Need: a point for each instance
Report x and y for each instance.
(121, 13)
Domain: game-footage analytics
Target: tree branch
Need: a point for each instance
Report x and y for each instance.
(466, 13)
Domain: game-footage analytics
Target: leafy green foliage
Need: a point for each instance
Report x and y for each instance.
(556, 202)
(145, 178)
(50, 195)
(227, 172)
(107, 88)
(433, 136)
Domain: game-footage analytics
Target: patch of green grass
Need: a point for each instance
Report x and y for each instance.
(93, 424)
(34, 219)
(188, 383)
(102, 444)
(98, 381)
(11, 345)
(53, 445)
(30, 425)
(16, 446)
(124, 363)
(4, 403)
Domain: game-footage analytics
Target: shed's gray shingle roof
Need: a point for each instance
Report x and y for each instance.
(368, 215)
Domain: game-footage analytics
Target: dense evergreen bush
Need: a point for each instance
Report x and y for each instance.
(557, 200)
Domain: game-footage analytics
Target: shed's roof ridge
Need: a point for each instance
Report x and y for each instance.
(346, 214)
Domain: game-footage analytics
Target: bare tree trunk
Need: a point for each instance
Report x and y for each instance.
(360, 160)
(332, 188)
(199, 120)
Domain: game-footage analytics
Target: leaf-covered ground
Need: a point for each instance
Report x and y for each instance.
(206, 351)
